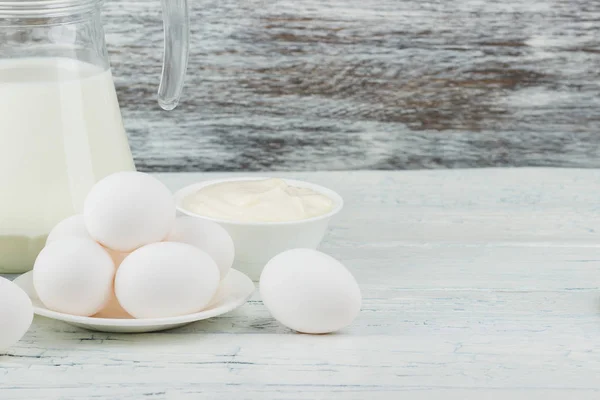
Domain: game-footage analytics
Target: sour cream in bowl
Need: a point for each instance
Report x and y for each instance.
(264, 216)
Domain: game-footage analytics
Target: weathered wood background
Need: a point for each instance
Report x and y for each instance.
(355, 84)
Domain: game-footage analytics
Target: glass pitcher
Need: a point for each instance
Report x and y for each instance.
(60, 124)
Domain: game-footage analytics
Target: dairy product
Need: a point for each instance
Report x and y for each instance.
(60, 132)
(265, 200)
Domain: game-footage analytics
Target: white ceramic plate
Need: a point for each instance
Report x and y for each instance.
(234, 291)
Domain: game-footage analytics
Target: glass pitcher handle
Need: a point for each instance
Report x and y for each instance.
(176, 22)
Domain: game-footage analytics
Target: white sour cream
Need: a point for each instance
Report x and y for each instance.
(267, 200)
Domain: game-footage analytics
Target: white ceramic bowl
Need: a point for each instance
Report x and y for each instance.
(257, 242)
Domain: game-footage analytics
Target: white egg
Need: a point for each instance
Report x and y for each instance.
(16, 314)
(75, 227)
(127, 210)
(208, 236)
(74, 276)
(220, 296)
(309, 291)
(116, 256)
(166, 279)
(71, 227)
(113, 309)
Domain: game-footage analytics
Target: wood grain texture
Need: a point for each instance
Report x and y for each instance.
(354, 84)
(477, 284)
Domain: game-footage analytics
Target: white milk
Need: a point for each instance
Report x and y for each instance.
(60, 132)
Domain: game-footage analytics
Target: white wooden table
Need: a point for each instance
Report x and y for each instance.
(478, 284)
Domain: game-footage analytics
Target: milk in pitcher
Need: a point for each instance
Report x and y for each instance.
(59, 118)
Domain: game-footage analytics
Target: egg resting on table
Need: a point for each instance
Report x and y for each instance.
(74, 276)
(309, 291)
(166, 279)
(208, 236)
(16, 314)
(127, 210)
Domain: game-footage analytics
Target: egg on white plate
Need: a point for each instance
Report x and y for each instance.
(16, 314)
(74, 276)
(309, 291)
(73, 226)
(166, 279)
(127, 210)
(116, 256)
(113, 309)
(208, 236)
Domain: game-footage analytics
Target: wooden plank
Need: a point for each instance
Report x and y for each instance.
(466, 317)
(354, 84)
(405, 339)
